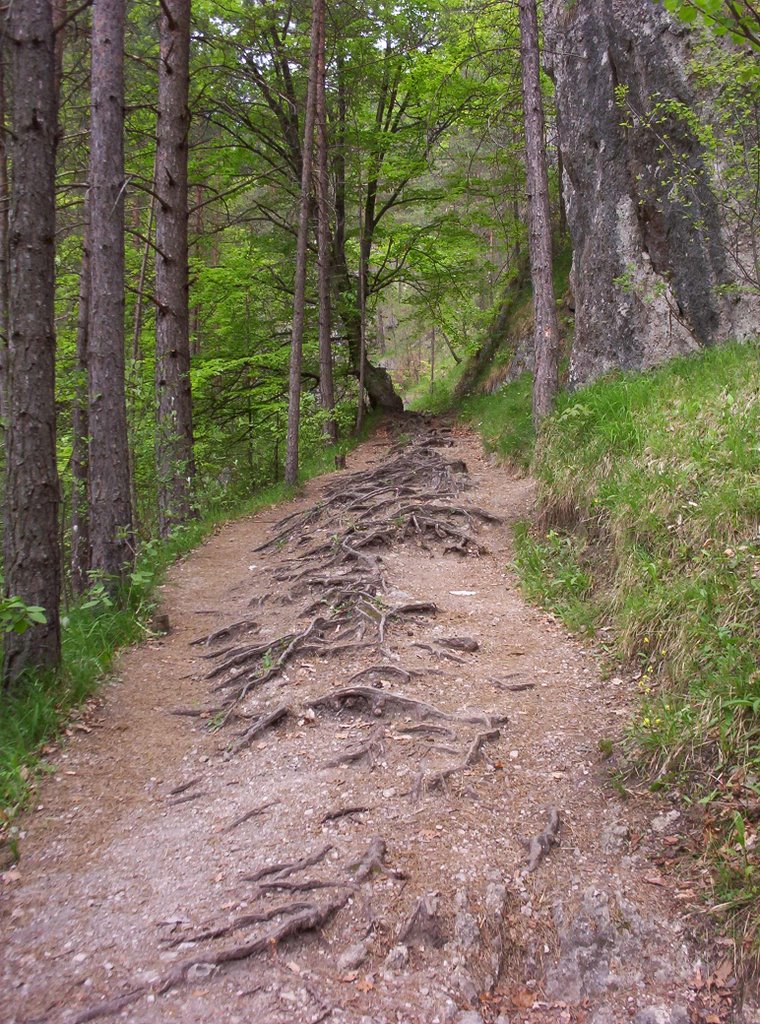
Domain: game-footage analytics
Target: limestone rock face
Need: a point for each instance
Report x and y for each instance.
(649, 259)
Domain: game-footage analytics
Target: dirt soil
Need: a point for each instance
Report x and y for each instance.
(387, 803)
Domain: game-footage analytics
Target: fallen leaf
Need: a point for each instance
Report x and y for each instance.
(656, 880)
(524, 999)
(724, 971)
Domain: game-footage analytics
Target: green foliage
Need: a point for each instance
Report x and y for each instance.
(552, 575)
(736, 19)
(17, 617)
(725, 122)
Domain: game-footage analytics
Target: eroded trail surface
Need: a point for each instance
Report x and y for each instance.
(358, 781)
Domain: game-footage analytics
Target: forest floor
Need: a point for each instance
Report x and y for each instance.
(360, 780)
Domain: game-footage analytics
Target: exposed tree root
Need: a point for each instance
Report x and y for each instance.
(187, 799)
(244, 625)
(110, 1006)
(288, 869)
(423, 926)
(184, 786)
(378, 701)
(342, 812)
(245, 921)
(260, 726)
(372, 861)
(372, 747)
(307, 885)
(426, 727)
(254, 812)
(311, 917)
(382, 672)
(538, 846)
(439, 779)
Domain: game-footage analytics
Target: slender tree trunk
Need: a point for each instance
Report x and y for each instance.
(59, 16)
(110, 506)
(32, 565)
(4, 210)
(362, 327)
(140, 298)
(80, 517)
(432, 358)
(299, 301)
(546, 375)
(174, 427)
(326, 390)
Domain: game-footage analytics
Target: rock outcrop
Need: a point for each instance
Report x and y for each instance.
(650, 267)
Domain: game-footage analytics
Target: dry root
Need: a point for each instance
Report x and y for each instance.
(538, 846)
(372, 862)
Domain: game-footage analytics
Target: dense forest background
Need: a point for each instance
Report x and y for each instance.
(350, 181)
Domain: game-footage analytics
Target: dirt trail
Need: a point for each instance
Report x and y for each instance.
(167, 864)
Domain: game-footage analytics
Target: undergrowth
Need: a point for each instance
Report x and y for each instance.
(93, 630)
(650, 497)
(504, 420)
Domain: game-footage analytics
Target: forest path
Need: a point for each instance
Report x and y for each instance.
(163, 869)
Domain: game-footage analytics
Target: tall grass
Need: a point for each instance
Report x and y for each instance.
(650, 498)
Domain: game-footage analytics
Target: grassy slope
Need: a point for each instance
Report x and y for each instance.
(650, 497)
(92, 632)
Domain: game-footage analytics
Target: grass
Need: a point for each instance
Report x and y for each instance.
(95, 628)
(650, 497)
(504, 420)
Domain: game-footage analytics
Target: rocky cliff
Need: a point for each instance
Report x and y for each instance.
(650, 259)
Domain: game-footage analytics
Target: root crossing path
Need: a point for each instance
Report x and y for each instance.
(358, 781)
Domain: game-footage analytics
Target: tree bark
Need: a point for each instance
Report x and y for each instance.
(299, 300)
(32, 552)
(110, 507)
(174, 428)
(80, 516)
(326, 390)
(546, 375)
(4, 213)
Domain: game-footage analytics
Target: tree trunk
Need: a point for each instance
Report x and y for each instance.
(326, 390)
(362, 326)
(546, 375)
(110, 511)
(4, 210)
(174, 428)
(32, 552)
(377, 380)
(432, 359)
(80, 517)
(299, 300)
